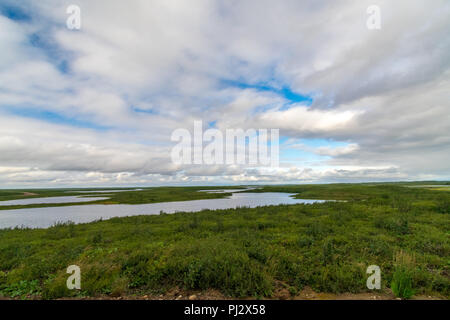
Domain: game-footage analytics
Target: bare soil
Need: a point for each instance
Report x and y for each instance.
(280, 294)
(27, 194)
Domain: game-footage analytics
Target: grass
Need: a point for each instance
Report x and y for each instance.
(402, 283)
(244, 252)
(402, 279)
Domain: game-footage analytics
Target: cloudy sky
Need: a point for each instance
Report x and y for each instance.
(97, 106)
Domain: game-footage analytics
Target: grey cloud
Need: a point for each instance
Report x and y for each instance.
(386, 91)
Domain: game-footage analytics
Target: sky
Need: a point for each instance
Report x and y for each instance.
(97, 106)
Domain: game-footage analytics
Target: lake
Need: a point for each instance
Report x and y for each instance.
(69, 199)
(45, 217)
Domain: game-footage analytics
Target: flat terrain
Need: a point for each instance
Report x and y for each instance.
(278, 252)
(127, 196)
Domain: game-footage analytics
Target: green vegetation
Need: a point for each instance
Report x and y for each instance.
(244, 252)
(402, 283)
(402, 279)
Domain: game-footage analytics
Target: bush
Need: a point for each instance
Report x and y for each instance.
(398, 226)
(97, 238)
(443, 206)
(56, 287)
(327, 251)
(22, 288)
(401, 284)
(305, 241)
(317, 229)
(219, 266)
(402, 279)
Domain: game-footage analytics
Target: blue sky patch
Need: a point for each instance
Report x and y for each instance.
(14, 13)
(51, 51)
(285, 92)
(53, 117)
(316, 143)
(290, 152)
(139, 110)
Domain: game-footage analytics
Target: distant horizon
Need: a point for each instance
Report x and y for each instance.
(218, 185)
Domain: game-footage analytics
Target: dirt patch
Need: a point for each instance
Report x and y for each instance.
(173, 294)
(29, 194)
(309, 294)
(281, 293)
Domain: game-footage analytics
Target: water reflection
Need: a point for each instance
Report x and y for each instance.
(69, 199)
(45, 217)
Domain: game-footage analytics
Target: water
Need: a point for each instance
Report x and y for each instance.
(45, 217)
(68, 199)
(104, 191)
(223, 190)
(49, 200)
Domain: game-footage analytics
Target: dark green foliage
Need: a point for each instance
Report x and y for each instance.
(23, 289)
(401, 284)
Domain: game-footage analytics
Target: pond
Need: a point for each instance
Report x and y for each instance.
(45, 217)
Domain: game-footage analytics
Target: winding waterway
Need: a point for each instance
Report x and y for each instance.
(45, 217)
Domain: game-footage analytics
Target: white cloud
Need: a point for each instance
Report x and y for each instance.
(337, 151)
